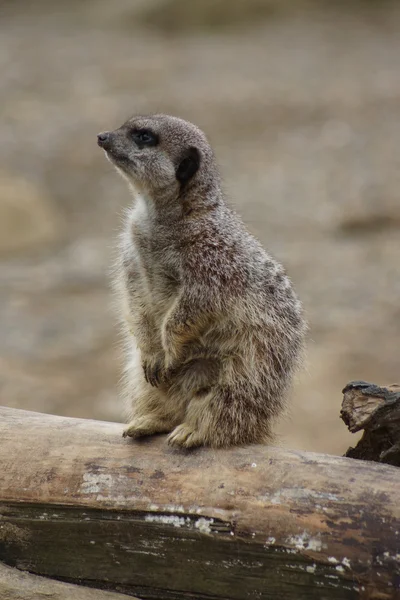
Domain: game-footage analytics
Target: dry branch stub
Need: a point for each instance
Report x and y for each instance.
(80, 504)
(376, 410)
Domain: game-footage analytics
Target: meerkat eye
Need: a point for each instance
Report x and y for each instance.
(144, 137)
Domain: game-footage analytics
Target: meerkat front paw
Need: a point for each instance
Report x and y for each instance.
(154, 370)
(185, 436)
(158, 372)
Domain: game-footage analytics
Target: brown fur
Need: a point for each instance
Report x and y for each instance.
(213, 328)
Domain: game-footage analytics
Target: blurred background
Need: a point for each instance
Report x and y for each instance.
(301, 101)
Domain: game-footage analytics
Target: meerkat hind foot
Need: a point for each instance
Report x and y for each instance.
(142, 426)
(185, 436)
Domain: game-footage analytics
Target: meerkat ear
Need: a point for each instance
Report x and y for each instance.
(188, 166)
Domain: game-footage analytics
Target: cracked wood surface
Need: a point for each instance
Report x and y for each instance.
(79, 503)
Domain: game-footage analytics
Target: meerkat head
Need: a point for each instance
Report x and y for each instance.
(160, 155)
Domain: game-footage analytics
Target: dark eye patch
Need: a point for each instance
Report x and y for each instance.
(144, 137)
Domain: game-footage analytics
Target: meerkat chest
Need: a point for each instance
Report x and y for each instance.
(152, 260)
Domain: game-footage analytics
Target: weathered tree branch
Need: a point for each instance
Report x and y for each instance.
(80, 504)
(376, 410)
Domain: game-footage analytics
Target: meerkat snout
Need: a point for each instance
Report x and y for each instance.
(102, 138)
(214, 330)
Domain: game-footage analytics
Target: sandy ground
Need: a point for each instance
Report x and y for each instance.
(303, 110)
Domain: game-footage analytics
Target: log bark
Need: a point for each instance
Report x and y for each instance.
(17, 585)
(376, 410)
(81, 504)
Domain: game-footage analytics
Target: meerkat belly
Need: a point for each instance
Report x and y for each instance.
(152, 265)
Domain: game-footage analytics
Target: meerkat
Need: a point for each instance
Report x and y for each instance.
(213, 328)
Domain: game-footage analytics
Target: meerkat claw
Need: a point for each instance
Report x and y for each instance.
(185, 436)
(146, 425)
(153, 373)
(138, 428)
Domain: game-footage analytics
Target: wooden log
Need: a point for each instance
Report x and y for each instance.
(376, 410)
(16, 585)
(81, 504)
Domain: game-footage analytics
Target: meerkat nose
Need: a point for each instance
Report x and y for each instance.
(102, 138)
